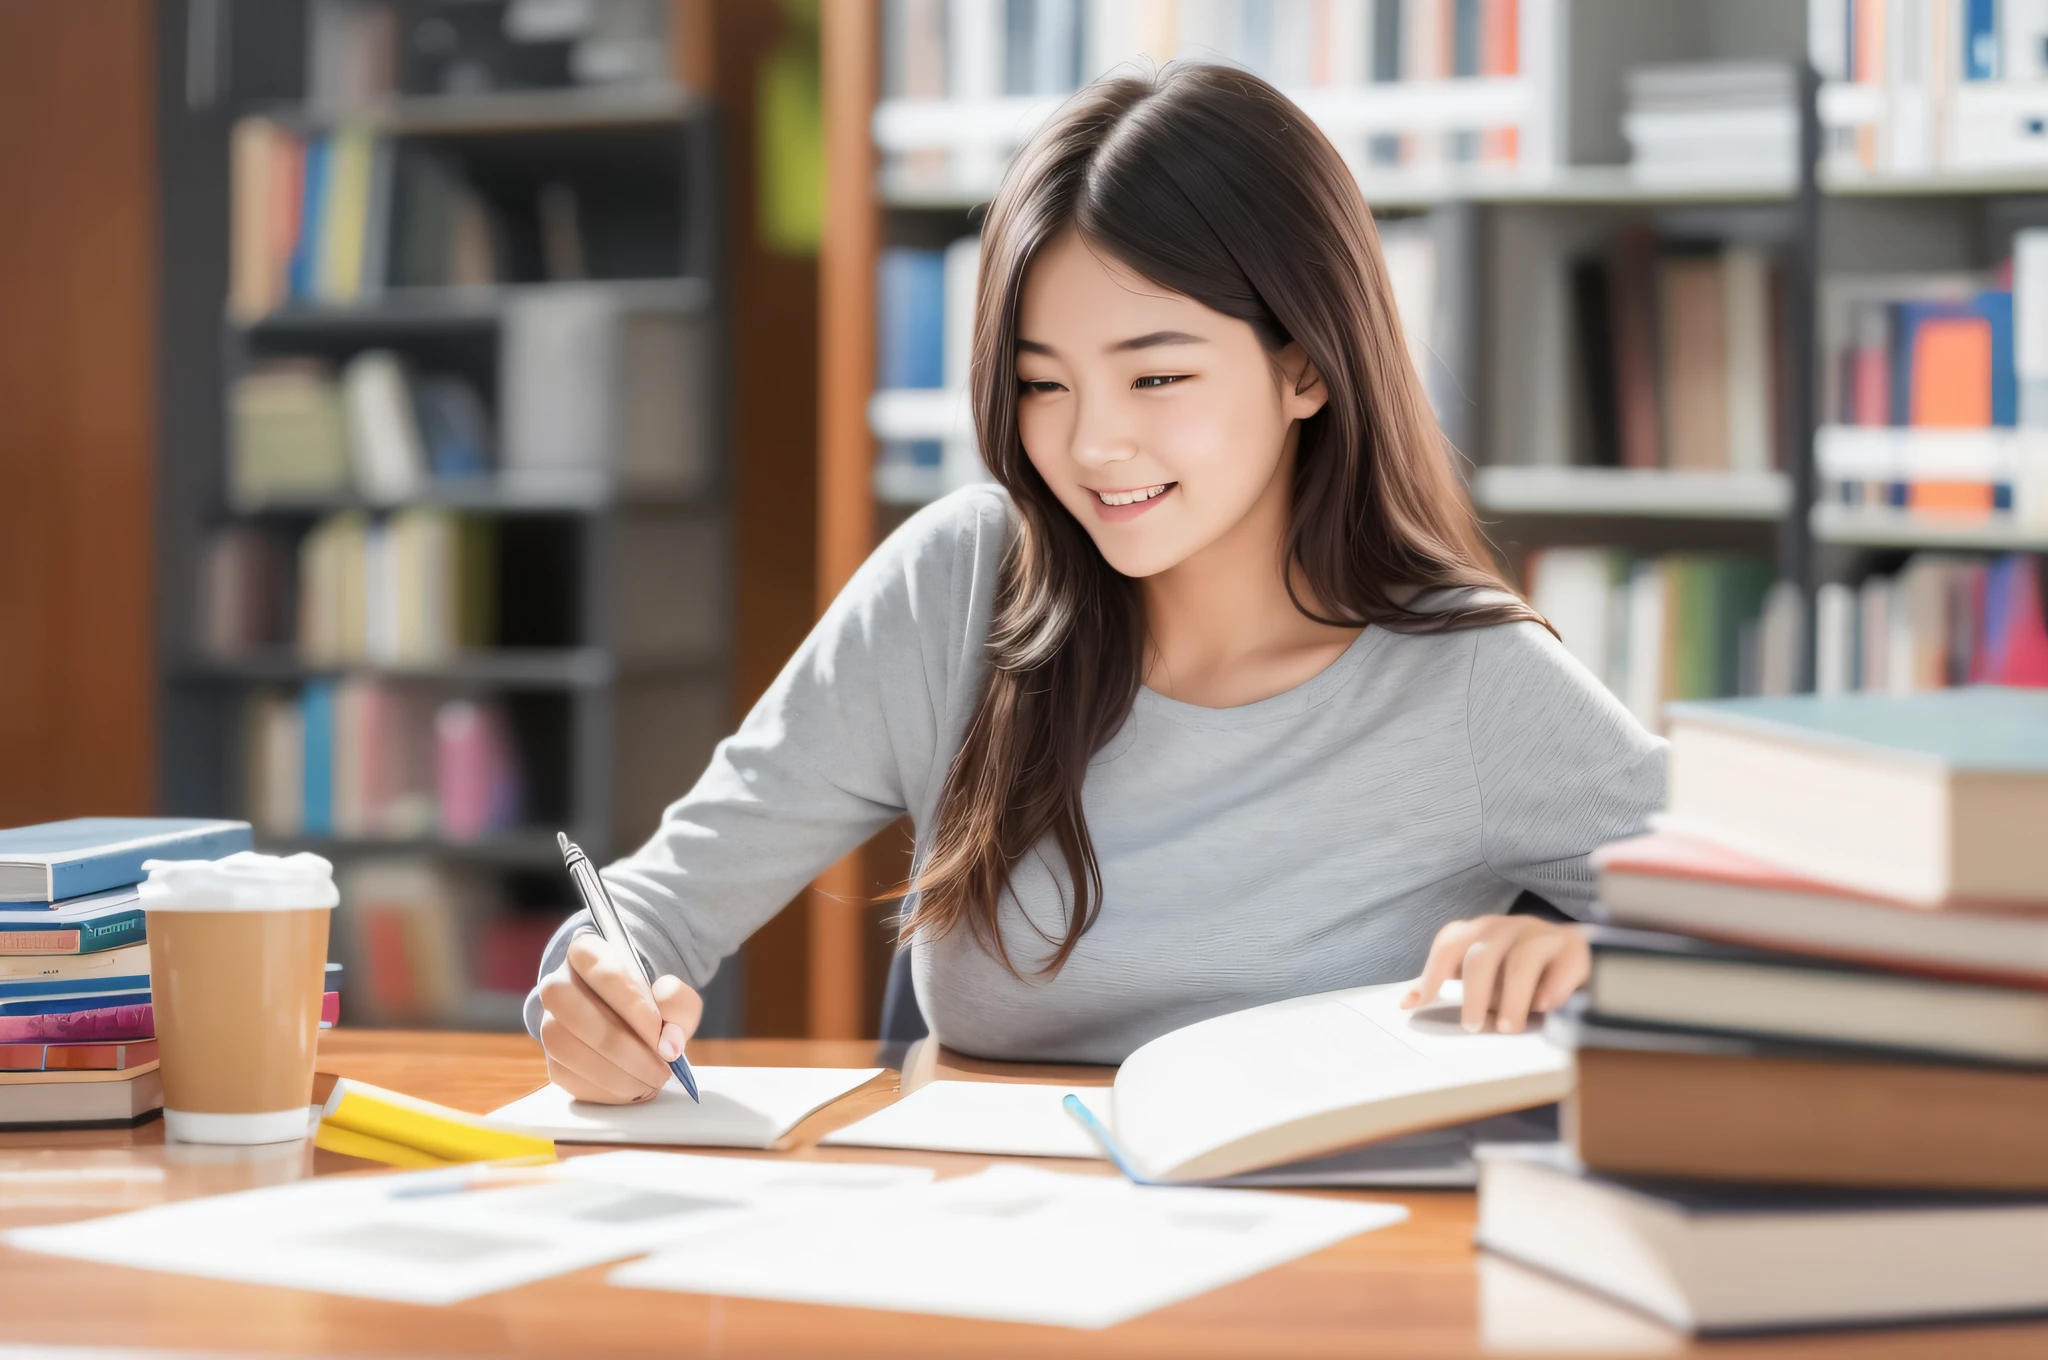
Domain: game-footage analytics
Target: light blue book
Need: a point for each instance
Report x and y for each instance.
(66, 989)
(1982, 728)
(1938, 800)
(910, 311)
(57, 860)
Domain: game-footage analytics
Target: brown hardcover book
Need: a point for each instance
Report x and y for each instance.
(1639, 426)
(77, 1057)
(1809, 1120)
(1692, 312)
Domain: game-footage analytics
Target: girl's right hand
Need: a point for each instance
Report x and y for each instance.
(605, 1040)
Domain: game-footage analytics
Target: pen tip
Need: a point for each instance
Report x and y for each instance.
(562, 839)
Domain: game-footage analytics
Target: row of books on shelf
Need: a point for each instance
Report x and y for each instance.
(593, 380)
(1812, 1052)
(1930, 85)
(337, 217)
(416, 586)
(77, 1032)
(365, 758)
(1680, 626)
(300, 428)
(1678, 346)
(972, 51)
(1941, 621)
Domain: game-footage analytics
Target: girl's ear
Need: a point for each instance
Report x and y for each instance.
(1302, 391)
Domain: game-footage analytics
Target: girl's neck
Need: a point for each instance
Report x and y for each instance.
(1220, 628)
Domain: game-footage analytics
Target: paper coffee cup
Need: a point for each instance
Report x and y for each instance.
(237, 962)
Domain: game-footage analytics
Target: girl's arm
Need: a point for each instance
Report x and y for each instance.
(1561, 768)
(845, 741)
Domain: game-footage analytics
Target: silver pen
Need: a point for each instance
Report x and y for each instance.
(598, 902)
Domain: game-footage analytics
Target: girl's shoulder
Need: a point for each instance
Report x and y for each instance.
(936, 573)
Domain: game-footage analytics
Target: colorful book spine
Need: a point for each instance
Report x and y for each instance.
(317, 804)
(77, 1057)
(65, 1005)
(20, 933)
(122, 1023)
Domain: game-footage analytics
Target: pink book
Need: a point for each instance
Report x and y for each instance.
(462, 773)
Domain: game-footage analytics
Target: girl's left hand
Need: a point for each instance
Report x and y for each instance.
(1511, 965)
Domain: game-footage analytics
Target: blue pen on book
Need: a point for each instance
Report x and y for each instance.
(598, 902)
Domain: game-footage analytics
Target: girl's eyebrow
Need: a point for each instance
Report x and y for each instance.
(1152, 338)
(1146, 341)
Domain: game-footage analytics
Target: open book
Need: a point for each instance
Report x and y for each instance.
(1302, 1079)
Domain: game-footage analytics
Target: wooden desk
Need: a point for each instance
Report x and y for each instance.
(1417, 1289)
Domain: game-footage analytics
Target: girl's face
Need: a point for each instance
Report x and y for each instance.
(1159, 423)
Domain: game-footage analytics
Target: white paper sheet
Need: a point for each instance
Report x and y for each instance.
(1012, 1244)
(1008, 1119)
(746, 1107)
(362, 1235)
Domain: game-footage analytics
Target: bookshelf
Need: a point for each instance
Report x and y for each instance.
(1570, 185)
(935, 153)
(605, 560)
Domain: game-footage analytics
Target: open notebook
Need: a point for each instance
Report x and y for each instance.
(1283, 1094)
(748, 1107)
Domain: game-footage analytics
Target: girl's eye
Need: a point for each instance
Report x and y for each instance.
(1160, 380)
(1037, 385)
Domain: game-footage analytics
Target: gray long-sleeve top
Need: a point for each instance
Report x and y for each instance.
(1313, 840)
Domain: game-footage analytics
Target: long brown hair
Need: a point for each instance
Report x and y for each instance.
(1209, 182)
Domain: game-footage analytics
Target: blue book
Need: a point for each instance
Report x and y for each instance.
(304, 269)
(1980, 39)
(316, 711)
(56, 860)
(62, 989)
(75, 1000)
(1978, 728)
(910, 311)
(79, 925)
(1996, 310)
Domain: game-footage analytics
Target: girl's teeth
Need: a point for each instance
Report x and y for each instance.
(1130, 497)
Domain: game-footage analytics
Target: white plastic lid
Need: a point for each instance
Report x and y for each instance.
(243, 881)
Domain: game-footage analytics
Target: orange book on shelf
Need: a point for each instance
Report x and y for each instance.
(1500, 55)
(1967, 500)
(1952, 373)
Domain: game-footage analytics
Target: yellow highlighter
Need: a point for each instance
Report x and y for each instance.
(368, 1121)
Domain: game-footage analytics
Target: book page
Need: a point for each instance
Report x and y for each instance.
(741, 1107)
(1007, 1119)
(1301, 1078)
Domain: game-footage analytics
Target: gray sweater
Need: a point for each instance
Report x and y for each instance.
(1306, 842)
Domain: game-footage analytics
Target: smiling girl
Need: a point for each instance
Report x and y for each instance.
(1211, 699)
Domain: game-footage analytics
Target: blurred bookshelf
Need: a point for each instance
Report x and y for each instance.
(445, 534)
(1521, 159)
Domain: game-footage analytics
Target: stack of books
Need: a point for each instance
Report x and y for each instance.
(1713, 120)
(77, 1043)
(1813, 1053)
